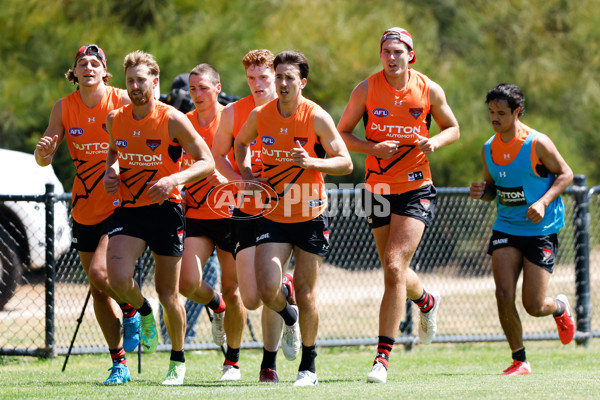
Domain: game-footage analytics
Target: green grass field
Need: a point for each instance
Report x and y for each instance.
(438, 371)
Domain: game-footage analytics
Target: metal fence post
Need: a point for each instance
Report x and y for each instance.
(582, 259)
(49, 200)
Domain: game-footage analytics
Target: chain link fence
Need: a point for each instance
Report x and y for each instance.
(41, 311)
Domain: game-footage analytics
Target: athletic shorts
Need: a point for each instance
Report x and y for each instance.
(418, 204)
(243, 228)
(311, 236)
(540, 250)
(219, 230)
(162, 227)
(87, 237)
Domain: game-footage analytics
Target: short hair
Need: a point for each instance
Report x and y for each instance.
(294, 58)
(137, 58)
(512, 94)
(208, 70)
(261, 57)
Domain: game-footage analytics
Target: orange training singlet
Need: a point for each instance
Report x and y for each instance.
(87, 140)
(504, 153)
(146, 153)
(398, 115)
(201, 201)
(301, 192)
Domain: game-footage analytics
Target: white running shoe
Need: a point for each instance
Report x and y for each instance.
(428, 324)
(176, 374)
(306, 378)
(378, 373)
(218, 328)
(231, 373)
(290, 341)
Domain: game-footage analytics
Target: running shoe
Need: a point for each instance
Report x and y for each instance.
(518, 368)
(149, 336)
(565, 323)
(131, 332)
(268, 375)
(290, 341)
(176, 373)
(218, 328)
(428, 324)
(231, 373)
(119, 374)
(378, 373)
(306, 378)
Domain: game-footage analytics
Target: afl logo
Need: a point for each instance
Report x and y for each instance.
(268, 140)
(121, 143)
(380, 112)
(76, 132)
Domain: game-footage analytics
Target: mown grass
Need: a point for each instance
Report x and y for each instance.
(438, 371)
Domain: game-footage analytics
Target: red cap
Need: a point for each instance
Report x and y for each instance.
(91, 50)
(402, 35)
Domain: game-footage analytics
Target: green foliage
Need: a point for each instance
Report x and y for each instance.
(549, 48)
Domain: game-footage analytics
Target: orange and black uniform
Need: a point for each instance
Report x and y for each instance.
(405, 178)
(297, 199)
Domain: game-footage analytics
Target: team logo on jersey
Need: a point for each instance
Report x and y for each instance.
(121, 143)
(381, 112)
(153, 143)
(326, 235)
(75, 132)
(253, 143)
(415, 176)
(546, 254)
(302, 140)
(425, 204)
(268, 140)
(415, 112)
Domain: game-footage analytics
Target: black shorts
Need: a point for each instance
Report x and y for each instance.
(418, 204)
(87, 237)
(540, 250)
(162, 227)
(243, 228)
(311, 236)
(219, 230)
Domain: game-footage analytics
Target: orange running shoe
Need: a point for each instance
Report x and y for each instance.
(518, 368)
(565, 323)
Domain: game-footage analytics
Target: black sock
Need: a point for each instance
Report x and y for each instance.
(519, 355)
(384, 348)
(289, 314)
(118, 355)
(128, 310)
(560, 308)
(425, 302)
(232, 357)
(216, 304)
(285, 290)
(309, 353)
(269, 360)
(145, 309)
(178, 355)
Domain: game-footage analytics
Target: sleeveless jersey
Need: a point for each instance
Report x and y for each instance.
(241, 109)
(519, 184)
(201, 199)
(398, 115)
(300, 193)
(87, 140)
(146, 153)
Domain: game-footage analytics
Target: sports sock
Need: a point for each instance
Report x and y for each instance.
(289, 314)
(519, 355)
(128, 310)
(232, 357)
(145, 309)
(285, 290)
(384, 348)
(118, 356)
(269, 360)
(178, 355)
(309, 353)
(217, 304)
(560, 308)
(425, 302)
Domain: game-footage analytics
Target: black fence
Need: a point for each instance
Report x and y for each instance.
(41, 305)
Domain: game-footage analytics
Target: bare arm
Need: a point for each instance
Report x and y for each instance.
(112, 178)
(353, 113)
(339, 161)
(445, 120)
(222, 144)
(53, 136)
(244, 139)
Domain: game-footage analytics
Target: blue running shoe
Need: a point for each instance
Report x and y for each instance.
(119, 374)
(149, 336)
(131, 332)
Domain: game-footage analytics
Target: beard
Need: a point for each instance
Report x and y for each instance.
(140, 100)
